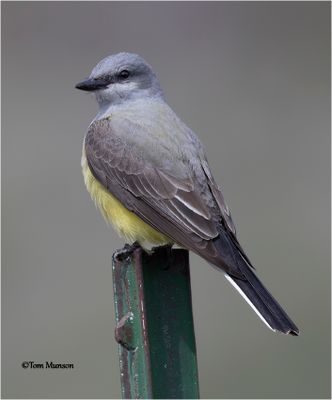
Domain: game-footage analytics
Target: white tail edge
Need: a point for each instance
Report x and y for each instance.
(230, 280)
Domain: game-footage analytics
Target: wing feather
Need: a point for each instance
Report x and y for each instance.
(174, 200)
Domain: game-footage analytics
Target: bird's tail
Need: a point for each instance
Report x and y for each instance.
(262, 302)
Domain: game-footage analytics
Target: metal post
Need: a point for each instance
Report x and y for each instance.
(155, 328)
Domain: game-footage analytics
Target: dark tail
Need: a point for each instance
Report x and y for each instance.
(263, 302)
(240, 274)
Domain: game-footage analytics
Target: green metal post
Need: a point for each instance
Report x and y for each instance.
(155, 328)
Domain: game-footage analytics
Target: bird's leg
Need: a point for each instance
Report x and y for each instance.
(126, 251)
(167, 251)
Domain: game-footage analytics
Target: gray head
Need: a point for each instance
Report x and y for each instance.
(121, 77)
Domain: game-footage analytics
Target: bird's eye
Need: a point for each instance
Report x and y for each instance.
(124, 74)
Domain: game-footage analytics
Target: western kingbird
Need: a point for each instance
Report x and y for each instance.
(149, 175)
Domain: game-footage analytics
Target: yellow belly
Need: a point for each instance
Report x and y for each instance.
(128, 225)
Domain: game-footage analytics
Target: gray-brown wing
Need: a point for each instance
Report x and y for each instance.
(224, 210)
(179, 204)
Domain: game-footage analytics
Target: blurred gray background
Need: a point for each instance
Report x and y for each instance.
(253, 81)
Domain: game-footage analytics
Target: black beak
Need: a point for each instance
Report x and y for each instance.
(89, 85)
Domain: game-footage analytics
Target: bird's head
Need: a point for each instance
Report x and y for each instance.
(121, 77)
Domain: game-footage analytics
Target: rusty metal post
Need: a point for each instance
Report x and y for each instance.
(155, 328)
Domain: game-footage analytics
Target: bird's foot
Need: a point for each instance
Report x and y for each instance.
(126, 251)
(166, 250)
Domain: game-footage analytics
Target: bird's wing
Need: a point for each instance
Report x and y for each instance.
(227, 220)
(219, 198)
(174, 195)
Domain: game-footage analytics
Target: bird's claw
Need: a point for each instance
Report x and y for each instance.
(125, 252)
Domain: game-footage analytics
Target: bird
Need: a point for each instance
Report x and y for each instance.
(148, 173)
